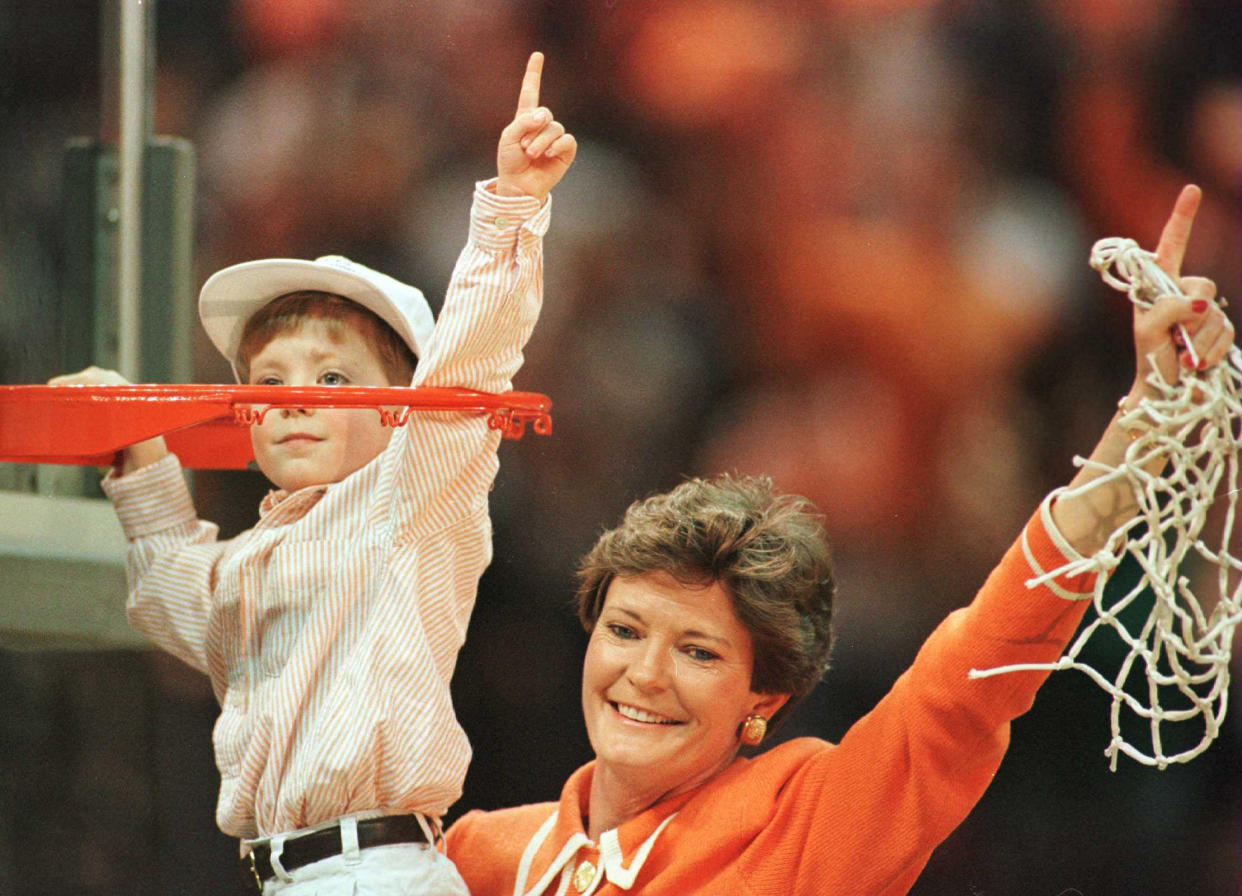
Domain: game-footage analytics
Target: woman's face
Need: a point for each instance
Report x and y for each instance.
(666, 683)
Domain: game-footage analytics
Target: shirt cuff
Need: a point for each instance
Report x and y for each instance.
(1047, 550)
(497, 223)
(150, 499)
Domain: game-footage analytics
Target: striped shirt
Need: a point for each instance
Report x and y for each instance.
(330, 630)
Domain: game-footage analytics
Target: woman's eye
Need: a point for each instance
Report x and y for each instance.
(333, 378)
(703, 656)
(621, 631)
(267, 381)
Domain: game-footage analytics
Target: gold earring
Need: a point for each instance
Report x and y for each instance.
(753, 730)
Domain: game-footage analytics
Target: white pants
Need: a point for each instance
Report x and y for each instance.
(401, 869)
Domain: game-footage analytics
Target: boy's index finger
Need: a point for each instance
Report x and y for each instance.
(1176, 233)
(528, 99)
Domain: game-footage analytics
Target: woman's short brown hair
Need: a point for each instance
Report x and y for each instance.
(768, 550)
(288, 312)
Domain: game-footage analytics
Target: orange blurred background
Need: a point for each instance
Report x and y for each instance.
(842, 243)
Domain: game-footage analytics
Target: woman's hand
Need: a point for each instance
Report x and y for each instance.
(1161, 330)
(535, 151)
(1088, 516)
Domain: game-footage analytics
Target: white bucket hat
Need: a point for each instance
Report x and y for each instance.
(230, 296)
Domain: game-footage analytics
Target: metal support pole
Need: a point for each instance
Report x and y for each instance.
(135, 129)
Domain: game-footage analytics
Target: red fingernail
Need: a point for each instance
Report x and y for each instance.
(1188, 362)
(1198, 306)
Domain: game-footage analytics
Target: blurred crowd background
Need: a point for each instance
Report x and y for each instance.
(839, 242)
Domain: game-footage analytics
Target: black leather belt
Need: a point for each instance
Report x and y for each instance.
(326, 842)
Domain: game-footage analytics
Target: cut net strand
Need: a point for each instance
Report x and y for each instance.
(1182, 646)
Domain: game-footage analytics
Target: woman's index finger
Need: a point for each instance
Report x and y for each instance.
(528, 99)
(1176, 233)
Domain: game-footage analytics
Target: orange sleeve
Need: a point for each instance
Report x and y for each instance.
(866, 815)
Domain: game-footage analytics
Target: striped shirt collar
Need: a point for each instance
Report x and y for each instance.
(295, 503)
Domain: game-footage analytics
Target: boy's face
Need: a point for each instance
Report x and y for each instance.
(299, 447)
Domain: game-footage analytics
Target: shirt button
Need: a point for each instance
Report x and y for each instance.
(584, 876)
(502, 221)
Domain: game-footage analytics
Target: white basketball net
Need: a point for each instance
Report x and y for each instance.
(1178, 656)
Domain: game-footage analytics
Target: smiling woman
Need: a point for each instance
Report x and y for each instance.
(709, 613)
(707, 607)
(666, 681)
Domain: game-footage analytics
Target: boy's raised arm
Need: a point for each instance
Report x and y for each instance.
(496, 290)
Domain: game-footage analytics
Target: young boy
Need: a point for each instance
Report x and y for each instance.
(330, 630)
